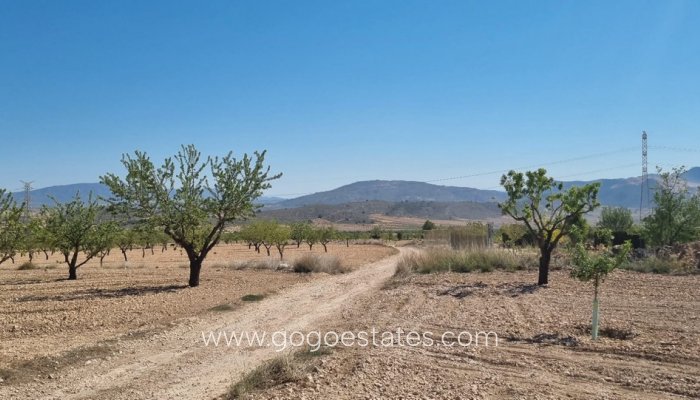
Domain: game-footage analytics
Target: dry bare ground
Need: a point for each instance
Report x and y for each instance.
(650, 347)
(135, 331)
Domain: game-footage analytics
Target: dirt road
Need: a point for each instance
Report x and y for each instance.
(175, 363)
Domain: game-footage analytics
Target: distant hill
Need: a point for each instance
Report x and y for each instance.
(360, 212)
(394, 191)
(64, 193)
(693, 176)
(622, 192)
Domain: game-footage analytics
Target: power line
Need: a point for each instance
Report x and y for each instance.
(502, 171)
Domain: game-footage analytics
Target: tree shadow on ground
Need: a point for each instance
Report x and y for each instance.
(105, 293)
(547, 339)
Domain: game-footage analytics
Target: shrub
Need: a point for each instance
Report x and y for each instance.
(484, 260)
(656, 265)
(269, 374)
(319, 263)
(257, 264)
(27, 266)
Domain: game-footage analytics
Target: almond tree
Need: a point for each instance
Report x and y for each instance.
(11, 229)
(78, 230)
(326, 235)
(188, 198)
(548, 211)
(595, 268)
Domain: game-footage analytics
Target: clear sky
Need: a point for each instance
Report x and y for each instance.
(345, 91)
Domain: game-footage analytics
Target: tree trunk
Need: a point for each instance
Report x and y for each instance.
(347, 242)
(124, 253)
(545, 257)
(325, 249)
(72, 273)
(195, 268)
(281, 251)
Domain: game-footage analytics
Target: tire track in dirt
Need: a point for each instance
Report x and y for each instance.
(176, 364)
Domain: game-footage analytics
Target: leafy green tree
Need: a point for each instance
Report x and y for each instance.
(548, 211)
(279, 236)
(428, 225)
(594, 268)
(125, 239)
(616, 219)
(33, 230)
(676, 217)
(376, 233)
(11, 228)
(254, 234)
(299, 231)
(326, 235)
(78, 228)
(312, 237)
(190, 199)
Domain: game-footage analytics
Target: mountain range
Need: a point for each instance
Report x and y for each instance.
(622, 192)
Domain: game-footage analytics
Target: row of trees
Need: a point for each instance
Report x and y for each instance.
(188, 200)
(268, 234)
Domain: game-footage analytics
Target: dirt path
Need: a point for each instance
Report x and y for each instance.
(175, 363)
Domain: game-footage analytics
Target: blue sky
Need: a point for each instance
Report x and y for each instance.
(345, 91)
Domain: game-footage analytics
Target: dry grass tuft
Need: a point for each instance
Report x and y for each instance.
(320, 263)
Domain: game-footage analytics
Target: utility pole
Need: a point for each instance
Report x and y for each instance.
(645, 176)
(27, 198)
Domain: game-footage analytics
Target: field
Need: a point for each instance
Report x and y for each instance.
(134, 331)
(43, 317)
(650, 347)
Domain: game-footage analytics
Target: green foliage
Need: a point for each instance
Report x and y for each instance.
(326, 235)
(376, 233)
(548, 211)
(616, 219)
(11, 229)
(77, 228)
(595, 268)
(676, 218)
(299, 232)
(510, 234)
(190, 199)
(603, 236)
(428, 225)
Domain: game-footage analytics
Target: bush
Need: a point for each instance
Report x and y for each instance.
(27, 266)
(270, 374)
(319, 263)
(278, 371)
(484, 260)
(272, 264)
(656, 265)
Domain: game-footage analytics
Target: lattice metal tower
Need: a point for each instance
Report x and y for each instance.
(27, 197)
(645, 176)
